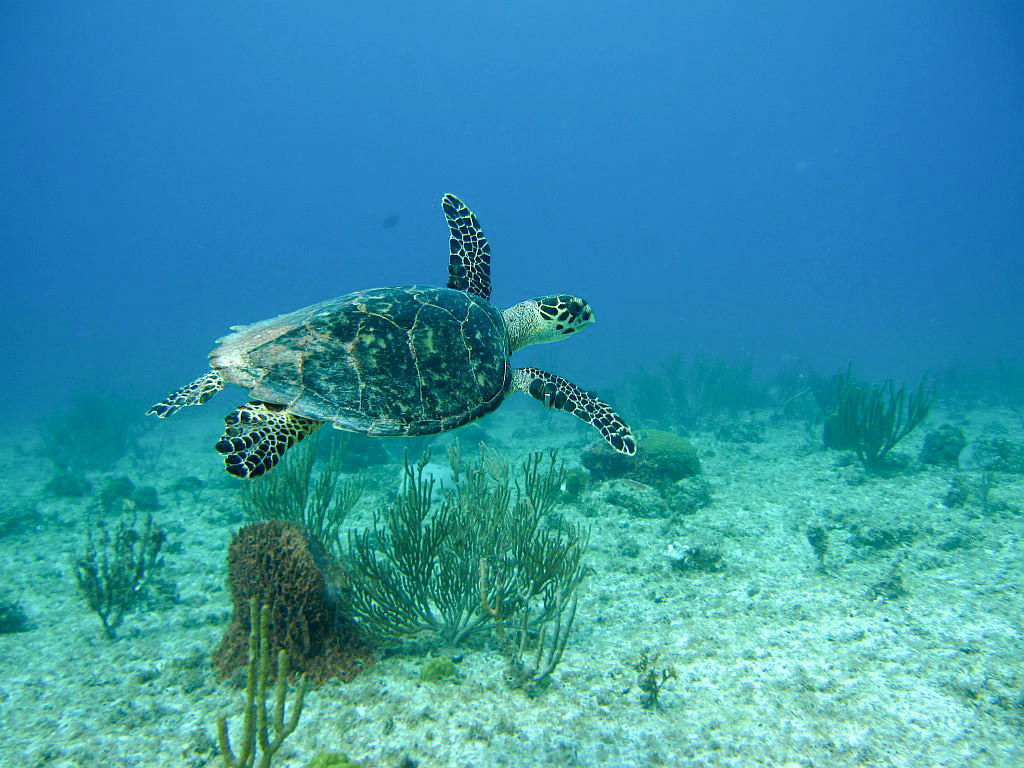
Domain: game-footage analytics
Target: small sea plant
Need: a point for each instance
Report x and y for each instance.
(575, 483)
(113, 571)
(889, 587)
(414, 574)
(529, 670)
(651, 678)
(316, 502)
(257, 745)
(958, 493)
(986, 482)
(872, 420)
(817, 537)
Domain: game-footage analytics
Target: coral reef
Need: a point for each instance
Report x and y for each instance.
(636, 499)
(190, 485)
(942, 446)
(744, 430)
(283, 567)
(115, 490)
(12, 617)
(19, 519)
(68, 485)
(662, 458)
(331, 760)
(995, 454)
(439, 669)
(686, 496)
(695, 557)
(145, 498)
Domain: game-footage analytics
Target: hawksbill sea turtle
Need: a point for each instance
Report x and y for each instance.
(405, 360)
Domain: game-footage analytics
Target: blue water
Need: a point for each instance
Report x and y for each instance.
(793, 186)
(834, 182)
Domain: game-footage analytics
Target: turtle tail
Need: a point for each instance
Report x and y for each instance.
(257, 434)
(194, 393)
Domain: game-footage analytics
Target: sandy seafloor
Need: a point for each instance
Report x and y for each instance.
(777, 662)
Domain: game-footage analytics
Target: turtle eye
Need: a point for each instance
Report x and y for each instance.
(584, 314)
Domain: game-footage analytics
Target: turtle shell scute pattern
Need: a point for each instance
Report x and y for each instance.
(406, 360)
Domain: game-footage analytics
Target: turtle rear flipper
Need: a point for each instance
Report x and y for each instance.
(556, 392)
(257, 434)
(194, 393)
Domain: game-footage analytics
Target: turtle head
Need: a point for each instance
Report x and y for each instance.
(546, 319)
(563, 314)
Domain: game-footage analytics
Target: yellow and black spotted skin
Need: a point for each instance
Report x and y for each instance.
(405, 360)
(561, 394)
(565, 313)
(194, 393)
(469, 265)
(256, 435)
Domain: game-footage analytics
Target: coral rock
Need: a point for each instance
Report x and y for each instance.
(661, 458)
(281, 566)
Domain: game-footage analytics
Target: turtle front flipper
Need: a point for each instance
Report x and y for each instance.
(257, 434)
(469, 266)
(556, 392)
(193, 393)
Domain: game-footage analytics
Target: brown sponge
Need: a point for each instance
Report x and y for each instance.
(283, 567)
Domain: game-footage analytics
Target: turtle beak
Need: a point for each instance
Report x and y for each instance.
(587, 316)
